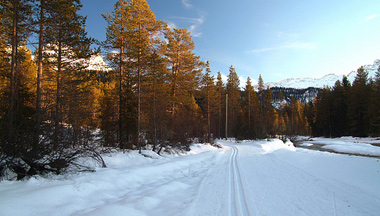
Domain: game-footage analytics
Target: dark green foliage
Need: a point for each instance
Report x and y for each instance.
(347, 109)
(359, 103)
(375, 106)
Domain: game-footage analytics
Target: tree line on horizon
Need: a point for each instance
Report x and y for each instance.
(54, 110)
(348, 109)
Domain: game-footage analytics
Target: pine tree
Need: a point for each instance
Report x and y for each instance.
(66, 41)
(375, 106)
(268, 113)
(108, 114)
(41, 29)
(260, 84)
(156, 100)
(233, 91)
(358, 108)
(15, 21)
(323, 113)
(117, 34)
(209, 95)
(339, 110)
(142, 29)
(251, 108)
(261, 130)
(185, 69)
(220, 90)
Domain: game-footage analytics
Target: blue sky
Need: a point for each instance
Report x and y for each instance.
(278, 39)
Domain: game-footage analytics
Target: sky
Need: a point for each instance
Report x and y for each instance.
(278, 39)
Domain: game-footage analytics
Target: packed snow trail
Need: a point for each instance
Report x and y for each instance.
(270, 178)
(246, 178)
(237, 201)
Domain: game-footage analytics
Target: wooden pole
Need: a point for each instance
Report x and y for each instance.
(226, 115)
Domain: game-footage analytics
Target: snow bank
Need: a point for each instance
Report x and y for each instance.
(276, 144)
(351, 145)
(132, 184)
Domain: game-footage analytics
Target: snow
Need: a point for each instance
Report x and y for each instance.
(265, 177)
(351, 145)
(97, 63)
(327, 80)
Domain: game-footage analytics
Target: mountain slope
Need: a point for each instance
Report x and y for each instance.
(327, 80)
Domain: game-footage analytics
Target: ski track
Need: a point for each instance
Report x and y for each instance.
(241, 179)
(237, 201)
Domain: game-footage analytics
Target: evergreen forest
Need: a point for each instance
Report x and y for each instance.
(157, 92)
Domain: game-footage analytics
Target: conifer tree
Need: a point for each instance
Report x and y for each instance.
(108, 114)
(323, 113)
(209, 94)
(41, 29)
(220, 90)
(268, 113)
(15, 20)
(156, 100)
(116, 40)
(358, 108)
(251, 108)
(185, 68)
(142, 29)
(339, 110)
(68, 98)
(233, 91)
(375, 106)
(260, 84)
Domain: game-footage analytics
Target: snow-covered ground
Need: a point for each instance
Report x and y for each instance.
(246, 178)
(349, 145)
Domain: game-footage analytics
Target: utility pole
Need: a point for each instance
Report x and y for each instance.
(226, 115)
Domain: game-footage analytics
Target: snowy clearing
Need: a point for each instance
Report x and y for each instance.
(246, 178)
(349, 145)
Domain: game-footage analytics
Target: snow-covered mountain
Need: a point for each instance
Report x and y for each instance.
(327, 80)
(97, 63)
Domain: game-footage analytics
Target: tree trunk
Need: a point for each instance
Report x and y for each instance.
(58, 92)
(121, 94)
(208, 115)
(154, 115)
(12, 95)
(249, 111)
(39, 72)
(139, 95)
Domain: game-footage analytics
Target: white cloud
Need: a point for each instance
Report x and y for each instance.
(224, 78)
(186, 4)
(242, 79)
(243, 82)
(195, 23)
(373, 16)
(171, 25)
(291, 46)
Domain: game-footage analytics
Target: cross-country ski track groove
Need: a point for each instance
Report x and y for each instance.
(237, 202)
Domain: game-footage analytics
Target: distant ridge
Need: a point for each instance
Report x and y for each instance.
(327, 80)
